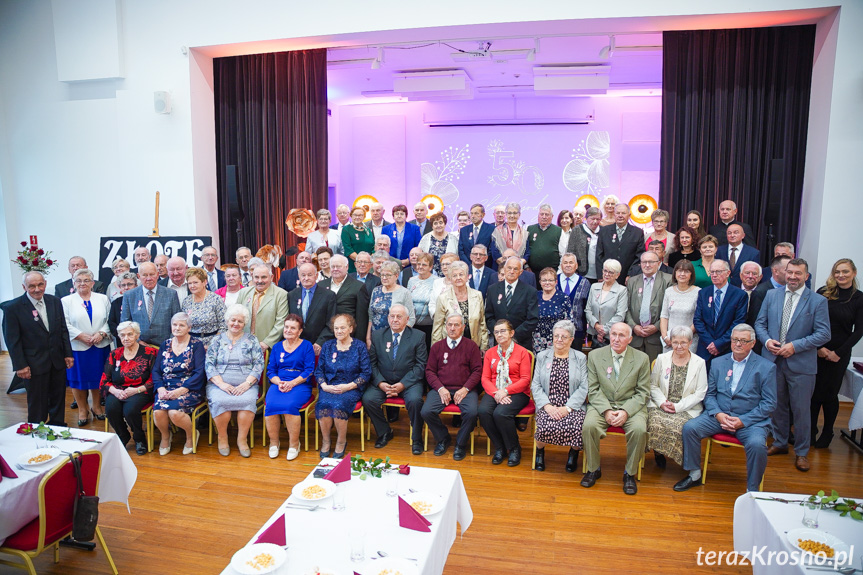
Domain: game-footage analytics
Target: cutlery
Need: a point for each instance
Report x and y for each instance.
(385, 554)
(306, 507)
(22, 468)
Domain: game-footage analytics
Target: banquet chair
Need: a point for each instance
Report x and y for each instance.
(198, 412)
(725, 440)
(57, 493)
(617, 431)
(358, 409)
(451, 409)
(397, 402)
(528, 411)
(147, 413)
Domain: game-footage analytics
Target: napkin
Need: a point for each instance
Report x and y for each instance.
(858, 365)
(341, 472)
(410, 518)
(275, 533)
(6, 470)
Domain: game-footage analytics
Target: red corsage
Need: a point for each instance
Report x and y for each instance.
(405, 469)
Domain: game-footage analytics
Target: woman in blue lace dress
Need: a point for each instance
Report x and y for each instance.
(343, 371)
(554, 306)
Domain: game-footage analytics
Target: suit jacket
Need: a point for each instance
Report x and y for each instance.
(527, 277)
(272, 310)
(114, 318)
(220, 278)
(289, 279)
(808, 328)
(63, 289)
(165, 304)
(732, 311)
(426, 228)
(577, 372)
(629, 391)
(523, 311)
(78, 321)
(766, 274)
(694, 388)
(29, 343)
(489, 276)
(466, 241)
(720, 232)
(409, 364)
(384, 223)
(447, 303)
(405, 276)
(610, 311)
(579, 244)
(347, 301)
(755, 397)
(321, 310)
(634, 288)
(410, 239)
(756, 300)
(625, 251)
(747, 254)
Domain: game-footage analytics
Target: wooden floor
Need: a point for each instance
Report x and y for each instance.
(190, 514)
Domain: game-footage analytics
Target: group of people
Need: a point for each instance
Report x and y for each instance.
(405, 314)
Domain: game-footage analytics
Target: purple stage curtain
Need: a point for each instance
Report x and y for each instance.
(271, 123)
(735, 109)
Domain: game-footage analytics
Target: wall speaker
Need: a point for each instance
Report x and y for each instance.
(162, 102)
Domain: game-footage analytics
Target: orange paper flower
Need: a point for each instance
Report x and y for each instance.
(301, 221)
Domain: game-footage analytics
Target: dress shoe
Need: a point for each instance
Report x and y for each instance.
(686, 483)
(293, 453)
(571, 460)
(245, 451)
(166, 450)
(188, 450)
(140, 448)
(74, 405)
(338, 455)
(325, 453)
(539, 460)
(823, 442)
(83, 422)
(630, 487)
(521, 423)
(273, 452)
(225, 451)
(802, 464)
(590, 478)
(459, 453)
(417, 449)
(499, 455)
(441, 446)
(514, 457)
(99, 416)
(773, 450)
(660, 460)
(384, 439)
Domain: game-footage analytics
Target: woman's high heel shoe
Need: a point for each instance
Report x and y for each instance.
(100, 417)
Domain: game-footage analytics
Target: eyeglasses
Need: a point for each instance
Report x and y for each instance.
(717, 272)
(651, 262)
(609, 272)
(562, 336)
(739, 341)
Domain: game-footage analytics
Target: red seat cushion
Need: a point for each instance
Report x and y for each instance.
(358, 406)
(727, 438)
(451, 408)
(529, 409)
(395, 401)
(618, 430)
(308, 403)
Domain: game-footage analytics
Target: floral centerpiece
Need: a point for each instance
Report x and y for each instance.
(34, 258)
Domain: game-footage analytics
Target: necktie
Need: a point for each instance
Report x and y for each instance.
(475, 234)
(255, 305)
(452, 344)
(395, 344)
(735, 377)
(246, 279)
(617, 360)
(212, 281)
(717, 301)
(477, 277)
(508, 294)
(40, 307)
(620, 234)
(786, 316)
(305, 303)
(644, 313)
(732, 259)
(568, 288)
(150, 304)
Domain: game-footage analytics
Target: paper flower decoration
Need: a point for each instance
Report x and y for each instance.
(301, 221)
(588, 171)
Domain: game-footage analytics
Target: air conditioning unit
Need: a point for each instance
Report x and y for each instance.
(575, 79)
(432, 83)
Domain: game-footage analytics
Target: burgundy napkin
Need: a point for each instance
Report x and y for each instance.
(275, 533)
(6, 470)
(410, 518)
(341, 472)
(858, 365)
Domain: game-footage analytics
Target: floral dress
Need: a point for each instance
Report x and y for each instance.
(379, 308)
(666, 429)
(184, 370)
(207, 318)
(437, 248)
(550, 312)
(566, 431)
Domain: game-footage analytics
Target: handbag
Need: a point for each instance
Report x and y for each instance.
(85, 513)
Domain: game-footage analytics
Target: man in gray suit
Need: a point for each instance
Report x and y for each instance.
(152, 305)
(646, 291)
(398, 356)
(741, 395)
(583, 241)
(792, 324)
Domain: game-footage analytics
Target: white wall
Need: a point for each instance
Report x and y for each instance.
(81, 160)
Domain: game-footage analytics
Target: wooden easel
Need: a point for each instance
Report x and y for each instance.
(155, 233)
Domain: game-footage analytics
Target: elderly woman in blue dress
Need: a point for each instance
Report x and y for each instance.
(234, 366)
(289, 370)
(178, 382)
(343, 371)
(559, 389)
(554, 306)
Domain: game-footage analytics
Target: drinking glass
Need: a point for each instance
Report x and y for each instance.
(339, 499)
(810, 514)
(391, 484)
(358, 551)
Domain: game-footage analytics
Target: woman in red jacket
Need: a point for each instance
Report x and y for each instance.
(506, 381)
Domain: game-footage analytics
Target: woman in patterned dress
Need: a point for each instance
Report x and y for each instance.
(438, 241)
(178, 380)
(678, 304)
(559, 390)
(554, 306)
(385, 296)
(234, 365)
(343, 371)
(205, 309)
(678, 384)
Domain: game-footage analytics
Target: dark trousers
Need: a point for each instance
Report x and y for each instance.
(826, 393)
(46, 397)
(498, 419)
(120, 413)
(468, 407)
(374, 398)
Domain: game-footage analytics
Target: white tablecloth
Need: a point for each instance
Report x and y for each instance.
(759, 523)
(320, 538)
(852, 386)
(19, 498)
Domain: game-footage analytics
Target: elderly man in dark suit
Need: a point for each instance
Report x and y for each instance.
(477, 233)
(347, 290)
(718, 308)
(727, 217)
(741, 395)
(289, 279)
(622, 242)
(645, 294)
(792, 324)
(583, 242)
(36, 336)
(398, 356)
(76, 263)
(151, 305)
(315, 306)
(481, 276)
(511, 299)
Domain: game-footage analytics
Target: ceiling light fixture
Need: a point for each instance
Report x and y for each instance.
(607, 51)
(376, 64)
(532, 54)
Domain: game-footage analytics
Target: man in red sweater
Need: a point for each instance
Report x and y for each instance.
(453, 371)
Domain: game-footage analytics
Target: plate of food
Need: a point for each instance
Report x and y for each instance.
(258, 558)
(38, 457)
(392, 566)
(425, 502)
(313, 489)
(814, 541)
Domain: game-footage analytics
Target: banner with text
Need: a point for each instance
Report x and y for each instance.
(187, 247)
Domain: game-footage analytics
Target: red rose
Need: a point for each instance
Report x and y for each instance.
(405, 469)
(49, 262)
(22, 259)
(23, 244)
(34, 261)
(40, 251)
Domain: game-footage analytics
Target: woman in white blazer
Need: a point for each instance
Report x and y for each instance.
(678, 384)
(87, 321)
(459, 298)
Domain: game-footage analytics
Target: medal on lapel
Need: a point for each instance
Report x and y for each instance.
(334, 357)
(118, 365)
(445, 356)
(613, 238)
(670, 304)
(710, 301)
(609, 371)
(499, 297)
(358, 236)
(534, 236)
(140, 303)
(470, 236)
(35, 315)
(729, 374)
(667, 372)
(639, 291)
(300, 303)
(389, 344)
(282, 357)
